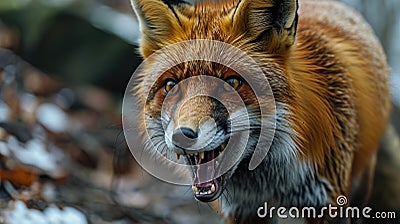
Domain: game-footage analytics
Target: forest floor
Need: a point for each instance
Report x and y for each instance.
(64, 159)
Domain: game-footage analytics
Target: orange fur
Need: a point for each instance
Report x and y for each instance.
(332, 72)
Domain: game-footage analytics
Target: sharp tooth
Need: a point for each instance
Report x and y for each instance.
(212, 188)
(223, 146)
(178, 156)
(209, 192)
(195, 190)
(202, 155)
(216, 163)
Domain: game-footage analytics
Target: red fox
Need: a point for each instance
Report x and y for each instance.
(329, 78)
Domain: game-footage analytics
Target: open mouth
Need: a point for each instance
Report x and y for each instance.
(205, 168)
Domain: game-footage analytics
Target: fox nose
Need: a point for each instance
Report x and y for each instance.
(184, 137)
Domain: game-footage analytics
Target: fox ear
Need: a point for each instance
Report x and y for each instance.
(271, 24)
(158, 20)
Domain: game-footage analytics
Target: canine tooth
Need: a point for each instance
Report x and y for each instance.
(195, 190)
(223, 145)
(212, 188)
(202, 155)
(209, 192)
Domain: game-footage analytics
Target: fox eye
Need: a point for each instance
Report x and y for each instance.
(235, 83)
(169, 87)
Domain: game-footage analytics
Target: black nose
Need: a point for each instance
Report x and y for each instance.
(184, 137)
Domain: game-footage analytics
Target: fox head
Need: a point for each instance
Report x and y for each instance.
(192, 107)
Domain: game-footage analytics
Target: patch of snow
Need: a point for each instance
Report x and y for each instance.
(18, 213)
(4, 149)
(4, 111)
(28, 102)
(13, 143)
(133, 199)
(34, 153)
(52, 117)
(49, 192)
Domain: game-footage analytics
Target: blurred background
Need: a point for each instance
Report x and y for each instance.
(64, 66)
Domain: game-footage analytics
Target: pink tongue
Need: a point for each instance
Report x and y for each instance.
(205, 172)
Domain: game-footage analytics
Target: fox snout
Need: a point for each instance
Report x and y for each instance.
(198, 124)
